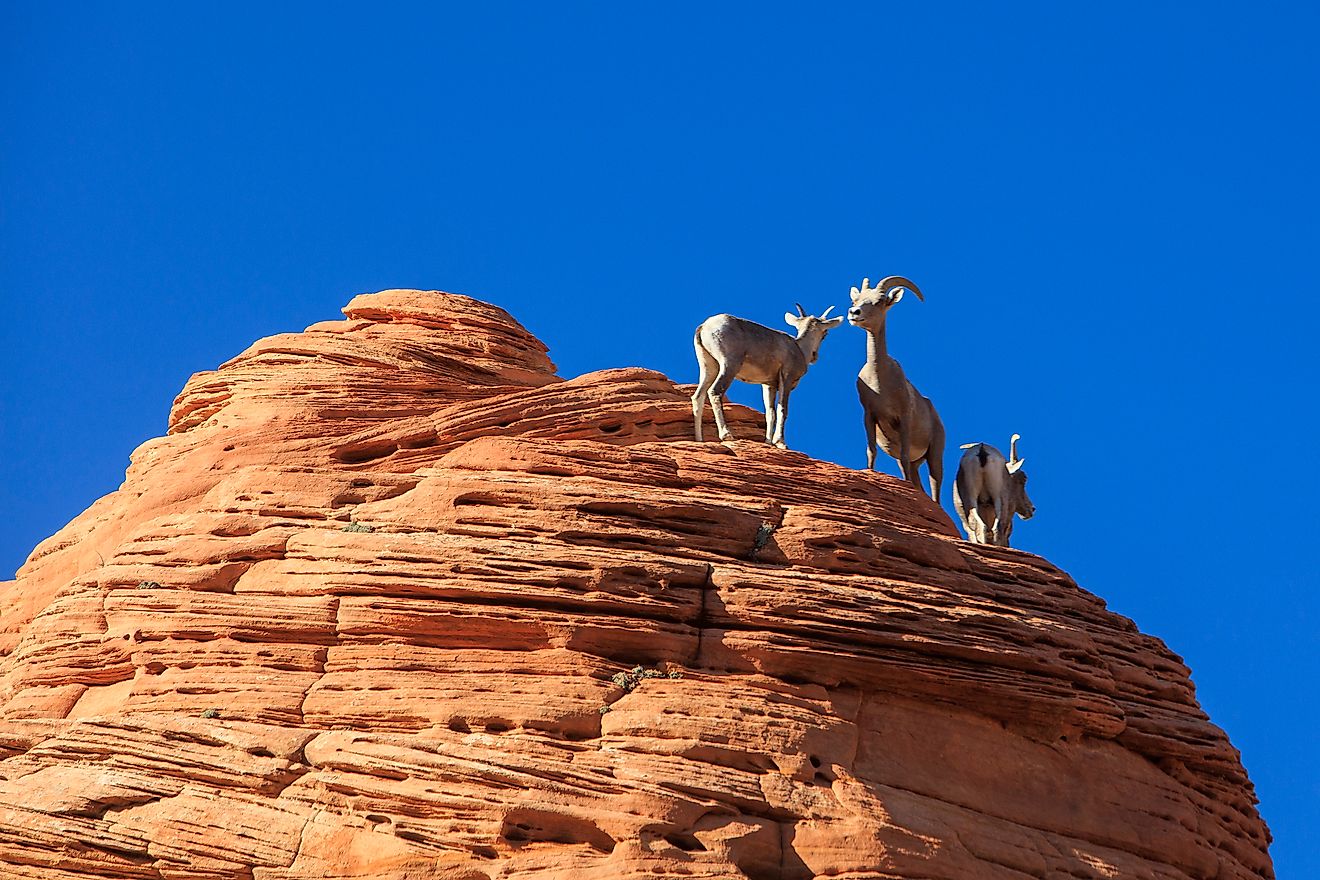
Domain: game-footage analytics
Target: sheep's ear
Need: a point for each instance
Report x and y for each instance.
(792, 319)
(833, 322)
(895, 296)
(1015, 466)
(855, 294)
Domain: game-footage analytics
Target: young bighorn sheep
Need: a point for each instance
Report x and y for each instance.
(904, 423)
(988, 491)
(731, 348)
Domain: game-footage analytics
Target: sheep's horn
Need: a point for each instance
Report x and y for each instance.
(826, 313)
(888, 284)
(801, 312)
(1012, 447)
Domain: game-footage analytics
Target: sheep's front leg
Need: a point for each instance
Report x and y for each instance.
(769, 393)
(782, 416)
(871, 427)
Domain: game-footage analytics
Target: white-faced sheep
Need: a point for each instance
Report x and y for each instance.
(896, 416)
(731, 348)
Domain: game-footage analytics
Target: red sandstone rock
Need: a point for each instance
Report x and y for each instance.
(372, 610)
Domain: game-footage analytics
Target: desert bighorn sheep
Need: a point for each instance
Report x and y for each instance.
(988, 490)
(904, 423)
(731, 348)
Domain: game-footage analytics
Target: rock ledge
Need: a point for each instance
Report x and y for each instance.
(391, 600)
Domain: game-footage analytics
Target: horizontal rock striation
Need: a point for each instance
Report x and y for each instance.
(391, 600)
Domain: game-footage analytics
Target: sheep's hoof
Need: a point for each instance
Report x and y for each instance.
(726, 438)
(780, 444)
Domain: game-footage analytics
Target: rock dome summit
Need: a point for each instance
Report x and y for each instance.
(391, 601)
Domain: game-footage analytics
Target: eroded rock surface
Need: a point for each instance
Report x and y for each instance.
(391, 600)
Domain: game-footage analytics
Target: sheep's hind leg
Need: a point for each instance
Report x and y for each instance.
(709, 367)
(935, 469)
(911, 469)
(716, 395)
(935, 457)
(964, 512)
(1003, 522)
(982, 533)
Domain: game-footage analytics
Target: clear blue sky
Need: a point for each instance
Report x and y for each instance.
(1112, 209)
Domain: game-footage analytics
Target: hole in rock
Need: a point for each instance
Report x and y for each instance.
(545, 826)
(366, 453)
(685, 842)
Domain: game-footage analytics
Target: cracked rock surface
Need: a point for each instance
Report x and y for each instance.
(393, 601)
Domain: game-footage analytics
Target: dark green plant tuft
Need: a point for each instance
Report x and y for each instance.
(211, 713)
(632, 678)
(763, 533)
(358, 527)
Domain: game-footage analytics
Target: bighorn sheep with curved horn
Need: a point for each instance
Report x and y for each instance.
(988, 491)
(731, 348)
(904, 423)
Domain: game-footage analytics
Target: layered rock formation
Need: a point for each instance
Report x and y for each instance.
(391, 600)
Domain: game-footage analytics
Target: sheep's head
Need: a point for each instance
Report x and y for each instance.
(1017, 479)
(869, 304)
(811, 330)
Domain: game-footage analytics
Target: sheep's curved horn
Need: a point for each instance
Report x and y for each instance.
(801, 312)
(1012, 447)
(826, 313)
(889, 283)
